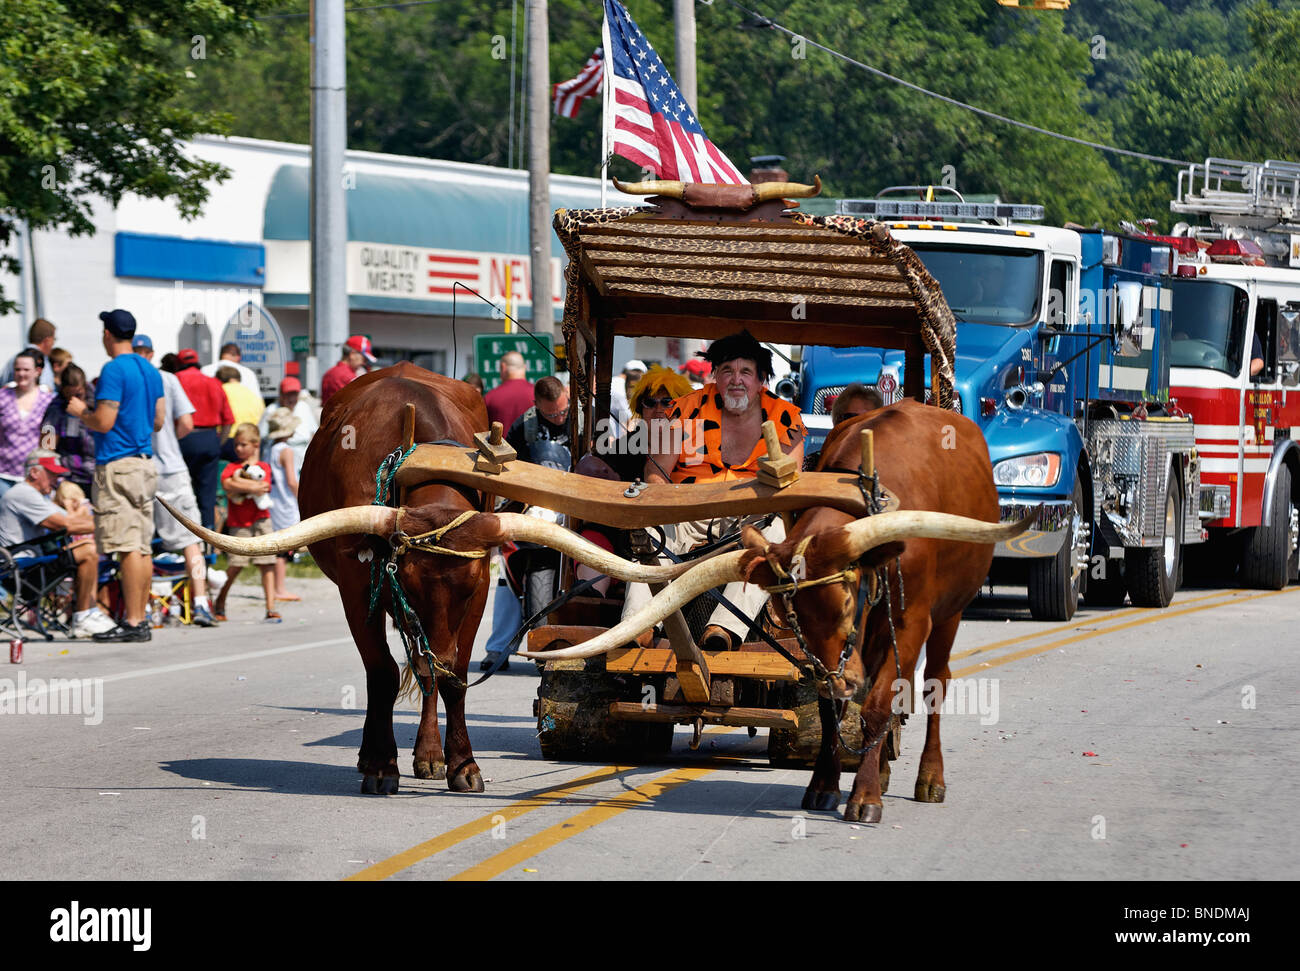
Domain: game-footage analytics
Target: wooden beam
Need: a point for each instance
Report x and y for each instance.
(757, 717)
(691, 668)
(766, 666)
(602, 501)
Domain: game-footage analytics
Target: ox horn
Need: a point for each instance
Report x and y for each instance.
(673, 190)
(787, 190)
(865, 534)
(382, 520)
(716, 572)
(530, 529)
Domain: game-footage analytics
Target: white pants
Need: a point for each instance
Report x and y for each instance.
(681, 538)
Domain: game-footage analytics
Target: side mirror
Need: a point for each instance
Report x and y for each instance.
(1127, 314)
(1290, 373)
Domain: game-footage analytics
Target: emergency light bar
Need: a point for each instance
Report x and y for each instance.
(937, 211)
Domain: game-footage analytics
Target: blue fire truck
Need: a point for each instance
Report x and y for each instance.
(1063, 361)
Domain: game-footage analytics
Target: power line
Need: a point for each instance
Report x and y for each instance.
(768, 22)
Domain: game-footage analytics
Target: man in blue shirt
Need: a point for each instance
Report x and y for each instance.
(129, 408)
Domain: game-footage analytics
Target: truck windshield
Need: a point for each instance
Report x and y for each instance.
(1209, 325)
(987, 286)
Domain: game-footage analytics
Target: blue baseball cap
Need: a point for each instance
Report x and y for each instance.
(119, 323)
(141, 340)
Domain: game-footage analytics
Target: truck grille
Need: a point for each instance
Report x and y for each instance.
(824, 399)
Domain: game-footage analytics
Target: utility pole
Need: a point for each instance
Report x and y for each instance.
(327, 317)
(684, 19)
(539, 165)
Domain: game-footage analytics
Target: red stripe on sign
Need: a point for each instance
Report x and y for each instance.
(454, 276)
(442, 290)
(470, 260)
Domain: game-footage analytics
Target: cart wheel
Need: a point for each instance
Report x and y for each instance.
(798, 749)
(573, 722)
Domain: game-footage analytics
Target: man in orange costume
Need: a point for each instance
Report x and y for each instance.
(722, 440)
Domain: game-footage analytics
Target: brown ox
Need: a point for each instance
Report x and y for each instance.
(936, 462)
(932, 460)
(346, 533)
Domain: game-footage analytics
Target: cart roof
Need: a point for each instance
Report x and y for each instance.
(787, 277)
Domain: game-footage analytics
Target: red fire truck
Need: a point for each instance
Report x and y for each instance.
(1235, 358)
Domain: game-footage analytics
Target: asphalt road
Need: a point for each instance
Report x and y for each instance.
(1124, 745)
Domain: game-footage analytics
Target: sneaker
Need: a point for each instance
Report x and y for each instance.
(126, 633)
(202, 617)
(94, 622)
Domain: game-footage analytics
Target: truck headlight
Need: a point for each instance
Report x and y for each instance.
(1040, 470)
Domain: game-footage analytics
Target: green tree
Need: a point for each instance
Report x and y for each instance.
(88, 105)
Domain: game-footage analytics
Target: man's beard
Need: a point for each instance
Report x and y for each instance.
(736, 402)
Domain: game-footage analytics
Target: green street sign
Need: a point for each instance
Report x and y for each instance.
(300, 345)
(490, 348)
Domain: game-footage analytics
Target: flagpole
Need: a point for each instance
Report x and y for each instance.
(606, 102)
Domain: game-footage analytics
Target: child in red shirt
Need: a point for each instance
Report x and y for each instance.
(248, 484)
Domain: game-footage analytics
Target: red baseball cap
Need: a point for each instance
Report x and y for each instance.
(361, 343)
(47, 460)
(188, 356)
(289, 385)
(697, 366)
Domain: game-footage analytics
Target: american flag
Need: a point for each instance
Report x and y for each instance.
(569, 95)
(653, 125)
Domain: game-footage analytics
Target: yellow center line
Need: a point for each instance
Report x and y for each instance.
(608, 808)
(496, 865)
(985, 648)
(543, 797)
(1153, 616)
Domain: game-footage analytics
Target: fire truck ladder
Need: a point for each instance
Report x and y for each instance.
(1244, 195)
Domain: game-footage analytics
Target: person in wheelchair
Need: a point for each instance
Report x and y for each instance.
(27, 512)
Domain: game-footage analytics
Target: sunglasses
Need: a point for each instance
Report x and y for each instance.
(553, 416)
(657, 402)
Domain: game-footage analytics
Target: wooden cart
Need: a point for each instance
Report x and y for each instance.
(706, 265)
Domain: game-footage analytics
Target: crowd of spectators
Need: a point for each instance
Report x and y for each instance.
(89, 458)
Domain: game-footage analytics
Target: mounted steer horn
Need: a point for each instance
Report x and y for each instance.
(763, 191)
(865, 534)
(673, 190)
(384, 521)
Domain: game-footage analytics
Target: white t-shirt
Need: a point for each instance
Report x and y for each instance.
(166, 447)
(22, 510)
(247, 376)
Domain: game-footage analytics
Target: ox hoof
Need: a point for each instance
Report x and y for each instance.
(821, 802)
(471, 781)
(376, 785)
(930, 791)
(863, 812)
(430, 770)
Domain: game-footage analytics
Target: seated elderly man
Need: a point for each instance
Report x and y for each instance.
(722, 440)
(27, 512)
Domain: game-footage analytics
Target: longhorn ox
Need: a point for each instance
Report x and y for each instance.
(942, 536)
(346, 533)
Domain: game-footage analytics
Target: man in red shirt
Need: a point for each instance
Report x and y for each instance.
(513, 396)
(356, 355)
(213, 418)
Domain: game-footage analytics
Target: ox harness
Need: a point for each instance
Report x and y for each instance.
(871, 587)
(384, 573)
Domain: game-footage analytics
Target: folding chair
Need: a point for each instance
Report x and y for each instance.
(171, 566)
(37, 579)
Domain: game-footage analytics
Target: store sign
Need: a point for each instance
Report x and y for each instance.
(414, 273)
(261, 345)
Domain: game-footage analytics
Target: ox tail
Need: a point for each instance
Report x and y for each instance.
(408, 689)
(381, 520)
